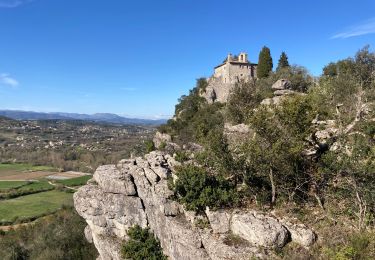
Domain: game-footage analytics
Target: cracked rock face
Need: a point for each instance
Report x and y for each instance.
(135, 192)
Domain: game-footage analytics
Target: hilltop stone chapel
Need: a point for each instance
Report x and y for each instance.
(233, 70)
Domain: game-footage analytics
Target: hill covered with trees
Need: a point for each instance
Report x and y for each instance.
(310, 155)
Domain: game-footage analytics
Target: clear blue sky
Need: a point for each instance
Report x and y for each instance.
(137, 57)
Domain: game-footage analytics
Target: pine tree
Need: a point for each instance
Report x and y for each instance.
(265, 63)
(283, 61)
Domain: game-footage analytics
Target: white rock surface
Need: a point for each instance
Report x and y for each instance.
(281, 84)
(284, 92)
(301, 234)
(110, 179)
(219, 220)
(88, 234)
(259, 229)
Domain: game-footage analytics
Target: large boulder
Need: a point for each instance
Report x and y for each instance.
(259, 229)
(281, 84)
(161, 138)
(301, 234)
(236, 134)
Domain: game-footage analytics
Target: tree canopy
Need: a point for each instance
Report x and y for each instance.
(265, 63)
(283, 61)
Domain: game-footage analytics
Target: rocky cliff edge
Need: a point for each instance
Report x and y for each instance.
(135, 191)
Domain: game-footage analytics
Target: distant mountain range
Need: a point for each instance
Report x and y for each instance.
(99, 117)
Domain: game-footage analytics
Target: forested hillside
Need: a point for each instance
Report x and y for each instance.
(302, 148)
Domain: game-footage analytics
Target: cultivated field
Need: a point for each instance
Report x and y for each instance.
(28, 192)
(30, 207)
(43, 162)
(78, 181)
(6, 185)
(25, 172)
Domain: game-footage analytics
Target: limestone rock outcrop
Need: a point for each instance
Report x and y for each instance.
(259, 229)
(281, 90)
(135, 191)
(161, 138)
(236, 134)
(300, 233)
(217, 91)
(281, 84)
(164, 142)
(322, 138)
(219, 220)
(111, 180)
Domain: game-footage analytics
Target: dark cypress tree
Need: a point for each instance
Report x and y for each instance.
(265, 63)
(283, 61)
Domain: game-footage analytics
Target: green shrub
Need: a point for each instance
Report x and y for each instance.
(298, 76)
(182, 156)
(194, 118)
(243, 99)
(142, 245)
(219, 159)
(27, 189)
(78, 181)
(150, 146)
(196, 189)
(359, 246)
(202, 223)
(274, 155)
(162, 145)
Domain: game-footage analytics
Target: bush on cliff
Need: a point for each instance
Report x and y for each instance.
(196, 189)
(274, 155)
(243, 99)
(142, 245)
(246, 97)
